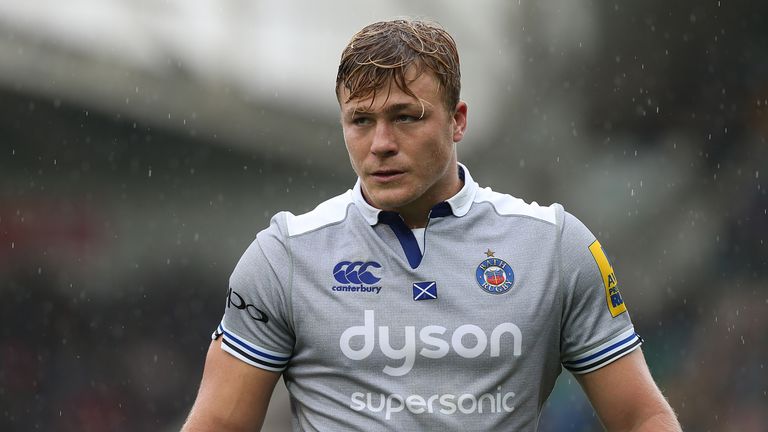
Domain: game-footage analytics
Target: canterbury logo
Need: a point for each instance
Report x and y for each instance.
(357, 272)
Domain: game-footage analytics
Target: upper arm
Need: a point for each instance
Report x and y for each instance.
(233, 395)
(253, 343)
(626, 398)
(598, 342)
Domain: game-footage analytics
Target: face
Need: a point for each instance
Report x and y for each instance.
(403, 148)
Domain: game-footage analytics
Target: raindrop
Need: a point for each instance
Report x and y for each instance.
(149, 174)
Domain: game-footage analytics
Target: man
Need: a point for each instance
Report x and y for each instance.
(418, 300)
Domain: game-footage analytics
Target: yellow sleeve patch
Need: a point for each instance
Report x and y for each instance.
(612, 295)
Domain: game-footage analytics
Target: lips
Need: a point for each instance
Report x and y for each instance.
(386, 175)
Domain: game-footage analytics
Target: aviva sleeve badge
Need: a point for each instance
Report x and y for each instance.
(612, 296)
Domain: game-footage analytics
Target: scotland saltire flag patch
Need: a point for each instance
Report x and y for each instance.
(425, 290)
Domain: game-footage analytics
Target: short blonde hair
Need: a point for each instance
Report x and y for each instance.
(382, 52)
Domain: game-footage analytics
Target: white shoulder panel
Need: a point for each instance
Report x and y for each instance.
(328, 212)
(507, 205)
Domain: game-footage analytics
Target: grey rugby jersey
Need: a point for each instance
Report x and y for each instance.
(371, 334)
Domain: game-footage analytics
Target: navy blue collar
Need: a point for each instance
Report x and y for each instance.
(457, 205)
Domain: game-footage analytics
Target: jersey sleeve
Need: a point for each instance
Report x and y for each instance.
(596, 328)
(256, 327)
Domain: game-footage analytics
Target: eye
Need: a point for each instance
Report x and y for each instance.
(405, 118)
(361, 121)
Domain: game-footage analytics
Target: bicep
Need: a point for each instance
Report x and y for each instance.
(624, 395)
(233, 395)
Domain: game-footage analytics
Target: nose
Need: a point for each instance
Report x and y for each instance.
(384, 140)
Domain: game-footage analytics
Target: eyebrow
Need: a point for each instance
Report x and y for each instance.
(389, 109)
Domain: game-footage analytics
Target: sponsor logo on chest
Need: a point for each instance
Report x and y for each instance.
(435, 342)
(356, 277)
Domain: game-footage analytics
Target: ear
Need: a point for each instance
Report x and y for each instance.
(459, 121)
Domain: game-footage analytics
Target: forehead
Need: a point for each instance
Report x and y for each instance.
(423, 85)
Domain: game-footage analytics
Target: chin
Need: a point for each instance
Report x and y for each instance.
(388, 200)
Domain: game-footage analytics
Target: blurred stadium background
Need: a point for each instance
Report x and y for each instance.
(143, 144)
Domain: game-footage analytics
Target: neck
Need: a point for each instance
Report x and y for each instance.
(416, 214)
(415, 218)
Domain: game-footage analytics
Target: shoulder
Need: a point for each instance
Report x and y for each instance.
(273, 241)
(507, 205)
(330, 212)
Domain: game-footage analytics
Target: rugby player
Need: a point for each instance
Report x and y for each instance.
(418, 300)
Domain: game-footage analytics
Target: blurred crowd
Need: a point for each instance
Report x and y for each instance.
(130, 363)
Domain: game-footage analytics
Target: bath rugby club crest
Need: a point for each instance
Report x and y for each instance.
(494, 275)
